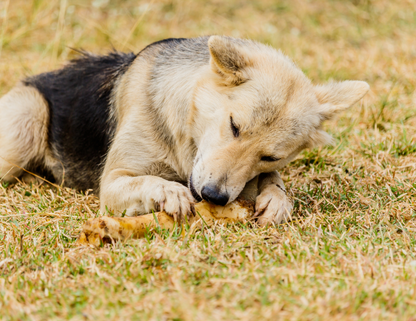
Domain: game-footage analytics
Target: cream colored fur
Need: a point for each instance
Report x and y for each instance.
(23, 130)
(197, 105)
(178, 126)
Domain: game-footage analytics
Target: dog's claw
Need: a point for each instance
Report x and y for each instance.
(193, 212)
(257, 214)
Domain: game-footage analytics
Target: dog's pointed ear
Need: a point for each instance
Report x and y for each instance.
(227, 59)
(320, 137)
(336, 97)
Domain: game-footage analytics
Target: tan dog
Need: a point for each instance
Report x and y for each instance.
(217, 113)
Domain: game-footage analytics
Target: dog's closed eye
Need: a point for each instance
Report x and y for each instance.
(269, 159)
(234, 128)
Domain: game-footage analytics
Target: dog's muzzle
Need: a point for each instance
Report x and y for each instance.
(209, 193)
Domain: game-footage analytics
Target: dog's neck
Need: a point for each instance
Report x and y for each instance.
(164, 112)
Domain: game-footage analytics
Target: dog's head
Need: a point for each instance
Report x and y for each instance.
(253, 112)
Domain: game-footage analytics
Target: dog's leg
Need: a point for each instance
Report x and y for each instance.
(24, 118)
(272, 204)
(121, 191)
(251, 190)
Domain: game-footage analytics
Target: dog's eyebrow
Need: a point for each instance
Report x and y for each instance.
(265, 113)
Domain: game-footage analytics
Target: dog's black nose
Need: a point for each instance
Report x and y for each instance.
(213, 195)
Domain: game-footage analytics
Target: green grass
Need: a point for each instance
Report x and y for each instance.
(348, 254)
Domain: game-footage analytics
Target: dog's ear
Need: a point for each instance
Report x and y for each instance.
(336, 97)
(333, 98)
(227, 59)
(320, 137)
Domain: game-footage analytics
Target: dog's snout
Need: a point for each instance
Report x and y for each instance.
(213, 195)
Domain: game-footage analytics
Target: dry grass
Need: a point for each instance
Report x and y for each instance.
(350, 253)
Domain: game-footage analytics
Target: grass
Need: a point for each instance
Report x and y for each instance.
(349, 253)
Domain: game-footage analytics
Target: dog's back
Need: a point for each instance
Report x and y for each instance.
(80, 126)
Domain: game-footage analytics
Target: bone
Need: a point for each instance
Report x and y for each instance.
(106, 229)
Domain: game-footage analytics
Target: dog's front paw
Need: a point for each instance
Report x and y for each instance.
(173, 198)
(273, 206)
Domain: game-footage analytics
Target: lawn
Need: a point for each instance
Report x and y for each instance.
(348, 254)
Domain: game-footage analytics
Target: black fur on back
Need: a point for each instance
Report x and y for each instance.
(80, 128)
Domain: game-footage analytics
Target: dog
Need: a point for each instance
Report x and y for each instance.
(183, 120)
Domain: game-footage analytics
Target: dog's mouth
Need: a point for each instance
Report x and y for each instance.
(193, 191)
